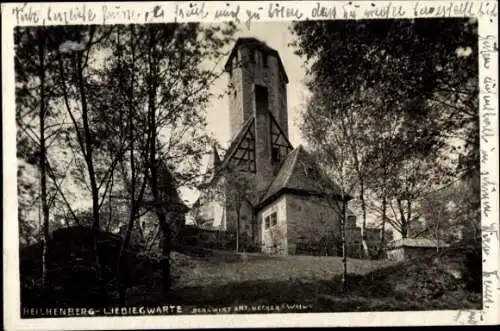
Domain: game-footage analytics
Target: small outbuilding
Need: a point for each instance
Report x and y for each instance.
(410, 248)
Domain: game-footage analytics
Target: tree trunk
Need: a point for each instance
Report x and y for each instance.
(408, 217)
(110, 206)
(404, 220)
(437, 233)
(153, 166)
(366, 251)
(380, 253)
(43, 169)
(165, 259)
(122, 271)
(344, 245)
(237, 229)
(90, 164)
(151, 241)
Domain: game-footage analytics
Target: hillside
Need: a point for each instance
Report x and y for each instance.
(218, 278)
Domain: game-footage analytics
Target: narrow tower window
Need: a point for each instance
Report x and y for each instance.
(261, 98)
(258, 58)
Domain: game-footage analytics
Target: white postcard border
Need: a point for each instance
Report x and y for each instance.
(251, 13)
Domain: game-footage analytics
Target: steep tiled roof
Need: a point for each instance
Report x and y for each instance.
(300, 173)
(212, 165)
(168, 190)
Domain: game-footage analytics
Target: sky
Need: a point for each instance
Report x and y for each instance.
(279, 39)
(218, 110)
(276, 35)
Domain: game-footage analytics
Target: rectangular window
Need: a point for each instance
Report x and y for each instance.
(271, 220)
(264, 60)
(274, 219)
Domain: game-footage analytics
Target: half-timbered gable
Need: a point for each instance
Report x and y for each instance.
(264, 188)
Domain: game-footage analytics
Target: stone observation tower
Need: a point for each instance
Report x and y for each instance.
(264, 189)
(257, 81)
(257, 78)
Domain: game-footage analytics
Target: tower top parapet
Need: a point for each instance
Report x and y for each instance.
(254, 44)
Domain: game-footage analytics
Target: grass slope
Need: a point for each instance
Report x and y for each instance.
(231, 280)
(221, 278)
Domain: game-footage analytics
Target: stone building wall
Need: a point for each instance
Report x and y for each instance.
(273, 239)
(312, 224)
(408, 253)
(353, 242)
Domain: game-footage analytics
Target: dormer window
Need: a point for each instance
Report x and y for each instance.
(264, 60)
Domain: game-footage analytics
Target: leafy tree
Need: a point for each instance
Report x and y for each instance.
(131, 100)
(405, 60)
(176, 89)
(238, 194)
(409, 93)
(334, 156)
(452, 214)
(35, 93)
(78, 82)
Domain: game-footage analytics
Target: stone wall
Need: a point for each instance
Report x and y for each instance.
(353, 242)
(312, 225)
(395, 254)
(212, 205)
(273, 240)
(417, 252)
(408, 253)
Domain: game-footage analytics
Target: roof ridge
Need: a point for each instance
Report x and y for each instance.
(292, 159)
(292, 167)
